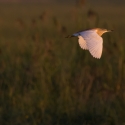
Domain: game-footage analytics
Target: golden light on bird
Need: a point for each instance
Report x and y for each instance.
(91, 40)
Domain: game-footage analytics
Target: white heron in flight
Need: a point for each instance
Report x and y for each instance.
(91, 40)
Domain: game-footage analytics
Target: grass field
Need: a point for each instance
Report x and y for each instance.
(46, 79)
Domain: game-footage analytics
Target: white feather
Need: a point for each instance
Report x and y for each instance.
(94, 42)
(82, 43)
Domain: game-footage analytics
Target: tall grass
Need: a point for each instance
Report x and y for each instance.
(46, 79)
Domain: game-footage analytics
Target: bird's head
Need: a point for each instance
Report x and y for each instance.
(100, 31)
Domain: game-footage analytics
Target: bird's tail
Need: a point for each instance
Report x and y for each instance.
(69, 36)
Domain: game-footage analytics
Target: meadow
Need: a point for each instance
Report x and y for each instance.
(46, 79)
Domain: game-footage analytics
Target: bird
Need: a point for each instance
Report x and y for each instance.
(91, 40)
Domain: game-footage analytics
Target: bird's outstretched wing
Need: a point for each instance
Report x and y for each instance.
(94, 43)
(82, 43)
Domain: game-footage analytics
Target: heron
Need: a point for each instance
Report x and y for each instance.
(91, 40)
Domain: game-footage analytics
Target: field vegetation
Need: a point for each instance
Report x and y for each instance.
(46, 79)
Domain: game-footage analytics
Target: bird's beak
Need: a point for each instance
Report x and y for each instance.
(110, 30)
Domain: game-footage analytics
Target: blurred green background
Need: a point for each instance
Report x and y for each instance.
(46, 79)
